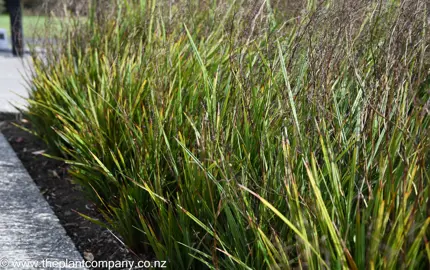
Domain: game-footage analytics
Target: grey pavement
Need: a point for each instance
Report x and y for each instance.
(30, 232)
(13, 71)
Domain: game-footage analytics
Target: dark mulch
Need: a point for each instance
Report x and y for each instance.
(64, 197)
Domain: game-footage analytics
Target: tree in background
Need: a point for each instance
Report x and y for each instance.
(31, 4)
(14, 9)
(2, 7)
(46, 7)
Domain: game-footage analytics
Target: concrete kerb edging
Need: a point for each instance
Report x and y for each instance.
(29, 229)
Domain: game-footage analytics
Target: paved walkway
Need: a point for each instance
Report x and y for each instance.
(31, 235)
(12, 83)
(30, 232)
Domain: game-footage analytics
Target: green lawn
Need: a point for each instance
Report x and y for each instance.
(33, 25)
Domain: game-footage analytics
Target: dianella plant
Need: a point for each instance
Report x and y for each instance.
(248, 134)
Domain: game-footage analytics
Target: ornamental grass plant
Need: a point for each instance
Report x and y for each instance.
(248, 134)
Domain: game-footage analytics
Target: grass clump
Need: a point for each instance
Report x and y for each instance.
(235, 135)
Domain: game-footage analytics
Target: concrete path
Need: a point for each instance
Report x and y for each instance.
(12, 83)
(30, 232)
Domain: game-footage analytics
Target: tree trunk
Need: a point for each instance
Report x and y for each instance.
(15, 13)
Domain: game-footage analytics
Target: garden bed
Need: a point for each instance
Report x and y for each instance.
(235, 135)
(65, 198)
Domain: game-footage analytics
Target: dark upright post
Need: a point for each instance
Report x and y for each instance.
(15, 13)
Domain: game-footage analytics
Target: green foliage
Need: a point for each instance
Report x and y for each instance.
(226, 135)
